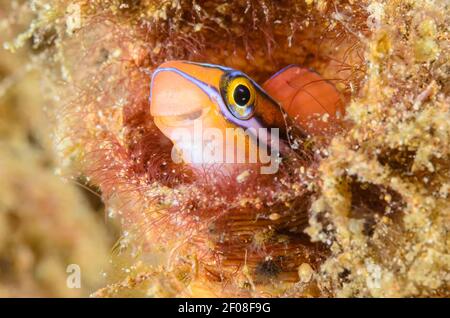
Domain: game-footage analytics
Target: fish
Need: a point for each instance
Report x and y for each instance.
(223, 113)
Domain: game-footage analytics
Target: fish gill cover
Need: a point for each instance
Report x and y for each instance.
(370, 218)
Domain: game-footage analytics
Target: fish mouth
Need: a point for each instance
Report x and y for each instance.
(181, 120)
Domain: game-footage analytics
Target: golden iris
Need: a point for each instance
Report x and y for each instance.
(240, 97)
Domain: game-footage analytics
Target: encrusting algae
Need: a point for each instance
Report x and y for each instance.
(368, 217)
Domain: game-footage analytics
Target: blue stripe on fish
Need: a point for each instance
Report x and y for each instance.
(219, 67)
(214, 95)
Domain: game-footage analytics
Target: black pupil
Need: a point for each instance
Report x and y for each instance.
(241, 95)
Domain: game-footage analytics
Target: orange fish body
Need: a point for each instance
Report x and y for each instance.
(305, 96)
(205, 108)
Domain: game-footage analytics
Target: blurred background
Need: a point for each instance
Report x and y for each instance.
(46, 222)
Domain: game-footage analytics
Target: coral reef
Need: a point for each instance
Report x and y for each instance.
(46, 223)
(368, 217)
(384, 194)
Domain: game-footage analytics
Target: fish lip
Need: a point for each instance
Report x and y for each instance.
(181, 120)
(176, 113)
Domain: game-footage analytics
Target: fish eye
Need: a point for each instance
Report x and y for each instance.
(239, 95)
